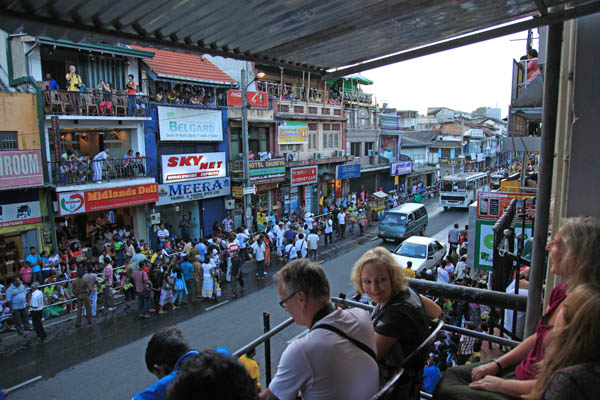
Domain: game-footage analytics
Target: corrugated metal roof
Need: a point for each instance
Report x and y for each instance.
(184, 66)
(301, 34)
(99, 48)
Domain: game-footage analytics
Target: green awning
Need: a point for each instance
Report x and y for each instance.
(351, 81)
(97, 48)
(359, 78)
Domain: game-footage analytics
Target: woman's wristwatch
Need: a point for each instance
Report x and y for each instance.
(500, 368)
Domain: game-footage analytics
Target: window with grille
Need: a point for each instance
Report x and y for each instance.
(368, 147)
(335, 127)
(284, 108)
(8, 141)
(445, 153)
(312, 141)
(312, 110)
(299, 109)
(325, 111)
(312, 126)
(337, 111)
(326, 127)
(355, 149)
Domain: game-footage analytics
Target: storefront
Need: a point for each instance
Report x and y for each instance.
(201, 201)
(121, 207)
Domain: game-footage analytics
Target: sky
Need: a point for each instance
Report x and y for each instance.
(464, 79)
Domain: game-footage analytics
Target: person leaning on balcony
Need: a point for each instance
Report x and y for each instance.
(131, 91)
(52, 84)
(574, 251)
(97, 163)
(400, 319)
(105, 88)
(570, 369)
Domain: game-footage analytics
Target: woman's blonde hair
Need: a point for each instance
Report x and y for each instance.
(582, 239)
(382, 257)
(576, 341)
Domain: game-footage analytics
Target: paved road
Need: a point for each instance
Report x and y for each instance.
(106, 360)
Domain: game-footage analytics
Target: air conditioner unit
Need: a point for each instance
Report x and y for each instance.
(291, 156)
(229, 204)
(340, 153)
(318, 155)
(372, 153)
(155, 218)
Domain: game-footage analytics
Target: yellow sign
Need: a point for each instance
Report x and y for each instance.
(237, 192)
(261, 218)
(293, 134)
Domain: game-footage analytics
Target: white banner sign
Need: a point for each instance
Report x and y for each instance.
(187, 167)
(195, 190)
(189, 124)
(20, 213)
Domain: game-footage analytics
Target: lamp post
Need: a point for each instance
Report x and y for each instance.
(245, 148)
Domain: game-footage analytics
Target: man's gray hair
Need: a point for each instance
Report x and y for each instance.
(35, 285)
(305, 276)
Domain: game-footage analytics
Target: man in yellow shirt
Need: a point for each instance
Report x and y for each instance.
(73, 79)
(251, 366)
(408, 271)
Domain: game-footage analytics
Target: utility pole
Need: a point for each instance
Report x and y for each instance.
(247, 199)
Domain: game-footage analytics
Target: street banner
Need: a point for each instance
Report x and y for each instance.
(347, 171)
(303, 175)
(189, 124)
(187, 167)
(14, 214)
(21, 169)
(267, 171)
(170, 193)
(254, 99)
(293, 132)
(106, 199)
(400, 168)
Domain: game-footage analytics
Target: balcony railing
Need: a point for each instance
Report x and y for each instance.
(82, 171)
(94, 103)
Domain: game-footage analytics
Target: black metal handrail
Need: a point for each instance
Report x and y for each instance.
(80, 171)
(94, 102)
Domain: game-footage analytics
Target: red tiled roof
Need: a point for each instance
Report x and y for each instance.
(168, 63)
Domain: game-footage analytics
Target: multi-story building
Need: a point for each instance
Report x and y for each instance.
(86, 122)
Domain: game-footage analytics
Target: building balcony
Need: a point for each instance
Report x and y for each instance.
(93, 103)
(301, 109)
(81, 174)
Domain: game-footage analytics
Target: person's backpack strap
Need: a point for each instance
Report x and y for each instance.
(343, 334)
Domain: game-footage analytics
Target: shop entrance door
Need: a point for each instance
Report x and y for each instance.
(29, 239)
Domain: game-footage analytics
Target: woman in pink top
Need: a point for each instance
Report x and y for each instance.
(574, 251)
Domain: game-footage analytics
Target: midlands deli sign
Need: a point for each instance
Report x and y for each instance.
(20, 169)
(170, 193)
(187, 167)
(105, 199)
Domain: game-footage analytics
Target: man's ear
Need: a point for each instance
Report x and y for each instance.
(160, 371)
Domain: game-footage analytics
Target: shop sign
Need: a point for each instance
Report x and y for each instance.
(484, 242)
(304, 175)
(237, 192)
(186, 124)
(267, 171)
(254, 99)
(20, 169)
(106, 199)
(293, 132)
(400, 168)
(249, 190)
(347, 171)
(195, 190)
(187, 167)
(15, 214)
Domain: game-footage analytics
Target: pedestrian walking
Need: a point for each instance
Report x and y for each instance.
(341, 217)
(301, 246)
(236, 274)
(259, 247)
(37, 309)
(328, 231)
(188, 275)
(313, 244)
(92, 279)
(142, 285)
(81, 290)
(107, 297)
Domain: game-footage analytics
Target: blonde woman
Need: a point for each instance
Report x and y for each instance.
(571, 365)
(400, 318)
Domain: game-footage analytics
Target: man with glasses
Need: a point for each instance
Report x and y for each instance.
(336, 358)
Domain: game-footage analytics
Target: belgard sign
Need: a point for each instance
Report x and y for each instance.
(22, 168)
(104, 199)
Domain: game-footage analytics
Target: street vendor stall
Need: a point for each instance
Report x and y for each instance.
(377, 202)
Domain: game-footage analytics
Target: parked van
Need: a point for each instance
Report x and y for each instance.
(403, 221)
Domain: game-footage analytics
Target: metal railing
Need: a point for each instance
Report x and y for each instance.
(93, 102)
(80, 171)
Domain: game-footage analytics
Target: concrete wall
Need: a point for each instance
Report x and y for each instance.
(18, 112)
(584, 169)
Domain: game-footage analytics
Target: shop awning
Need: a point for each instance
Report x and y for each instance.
(338, 36)
(381, 195)
(97, 48)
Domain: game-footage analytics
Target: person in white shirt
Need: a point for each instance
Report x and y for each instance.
(341, 223)
(163, 234)
(242, 238)
(328, 231)
(277, 229)
(301, 246)
(259, 249)
(313, 244)
(97, 163)
(442, 275)
(462, 270)
(309, 220)
(37, 308)
(290, 251)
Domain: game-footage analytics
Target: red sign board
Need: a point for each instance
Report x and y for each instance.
(304, 175)
(254, 99)
(21, 168)
(106, 199)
